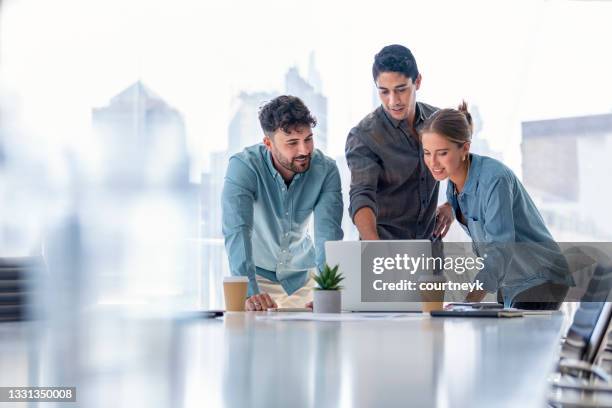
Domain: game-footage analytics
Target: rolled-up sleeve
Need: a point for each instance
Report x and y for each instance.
(365, 170)
(328, 214)
(500, 234)
(237, 220)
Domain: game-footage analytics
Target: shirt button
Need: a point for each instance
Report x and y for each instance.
(286, 234)
(287, 213)
(422, 178)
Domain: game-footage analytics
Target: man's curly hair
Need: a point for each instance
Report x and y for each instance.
(284, 112)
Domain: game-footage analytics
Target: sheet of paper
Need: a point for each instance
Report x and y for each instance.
(340, 317)
(537, 312)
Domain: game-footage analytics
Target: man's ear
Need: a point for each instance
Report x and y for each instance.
(267, 142)
(417, 83)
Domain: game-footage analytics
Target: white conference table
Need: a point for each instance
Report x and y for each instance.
(119, 361)
(241, 361)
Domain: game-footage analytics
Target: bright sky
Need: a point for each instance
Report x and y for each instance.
(517, 60)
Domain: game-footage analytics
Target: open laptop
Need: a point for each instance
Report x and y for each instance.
(349, 255)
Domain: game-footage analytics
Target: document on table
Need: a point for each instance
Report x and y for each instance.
(340, 317)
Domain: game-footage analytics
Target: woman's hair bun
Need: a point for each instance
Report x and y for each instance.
(463, 108)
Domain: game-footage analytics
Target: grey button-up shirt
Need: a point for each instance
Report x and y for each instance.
(388, 174)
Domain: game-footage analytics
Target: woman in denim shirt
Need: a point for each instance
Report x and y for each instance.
(522, 262)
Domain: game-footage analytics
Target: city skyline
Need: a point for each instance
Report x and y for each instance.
(137, 119)
(531, 64)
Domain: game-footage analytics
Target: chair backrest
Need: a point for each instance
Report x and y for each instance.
(16, 289)
(586, 382)
(600, 285)
(591, 321)
(603, 355)
(599, 333)
(585, 329)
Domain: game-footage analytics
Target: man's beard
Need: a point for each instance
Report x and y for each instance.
(292, 165)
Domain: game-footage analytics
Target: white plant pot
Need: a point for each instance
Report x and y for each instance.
(327, 301)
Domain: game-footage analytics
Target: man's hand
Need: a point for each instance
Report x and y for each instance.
(444, 219)
(263, 301)
(476, 296)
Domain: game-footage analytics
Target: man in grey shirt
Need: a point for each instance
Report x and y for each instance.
(393, 195)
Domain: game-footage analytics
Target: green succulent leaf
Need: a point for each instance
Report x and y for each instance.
(329, 278)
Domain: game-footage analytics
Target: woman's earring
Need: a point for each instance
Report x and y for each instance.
(463, 158)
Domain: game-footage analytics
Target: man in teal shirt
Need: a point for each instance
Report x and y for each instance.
(269, 194)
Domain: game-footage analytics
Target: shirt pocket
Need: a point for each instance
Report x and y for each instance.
(476, 230)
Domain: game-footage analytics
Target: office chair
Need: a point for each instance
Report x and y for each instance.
(584, 372)
(17, 275)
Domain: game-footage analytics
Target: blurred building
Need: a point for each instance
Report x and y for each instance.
(313, 97)
(480, 144)
(145, 174)
(566, 163)
(143, 140)
(244, 129)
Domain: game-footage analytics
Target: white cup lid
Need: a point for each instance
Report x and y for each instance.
(235, 279)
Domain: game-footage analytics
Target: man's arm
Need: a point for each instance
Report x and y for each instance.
(365, 170)
(237, 201)
(365, 221)
(328, 214)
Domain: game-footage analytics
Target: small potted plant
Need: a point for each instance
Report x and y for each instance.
(327, 297)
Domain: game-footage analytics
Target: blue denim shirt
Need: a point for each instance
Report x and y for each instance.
(265, 222)
(505, 224)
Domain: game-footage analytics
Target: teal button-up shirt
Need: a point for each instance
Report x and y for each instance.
(505, 224)
(265, 222)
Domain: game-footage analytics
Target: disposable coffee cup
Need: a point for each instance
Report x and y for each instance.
(432, 297)
(235, 292)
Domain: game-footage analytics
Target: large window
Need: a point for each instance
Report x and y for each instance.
(118, 117)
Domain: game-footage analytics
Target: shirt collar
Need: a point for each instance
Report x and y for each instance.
(473, 174)
(271, 168)
(418, 116)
